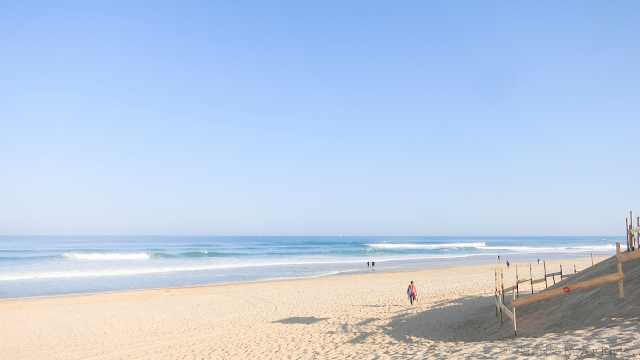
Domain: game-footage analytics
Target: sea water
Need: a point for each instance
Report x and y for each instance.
(33, 266)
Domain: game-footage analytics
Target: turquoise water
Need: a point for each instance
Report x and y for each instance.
(56, 265)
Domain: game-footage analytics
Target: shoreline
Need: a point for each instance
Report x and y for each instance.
(370, 271)
(57, 266)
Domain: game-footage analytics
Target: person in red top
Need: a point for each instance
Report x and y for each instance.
(413, 293)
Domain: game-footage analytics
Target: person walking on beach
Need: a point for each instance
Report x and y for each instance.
(507, 264)
(373, 264)
(412, 293)
(367, 264)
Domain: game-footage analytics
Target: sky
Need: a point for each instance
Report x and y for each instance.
(319, 117)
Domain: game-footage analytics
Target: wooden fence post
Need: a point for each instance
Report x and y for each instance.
(495, 288)
(544, 263)
(621, 282)
(502, 285)
(517, 289)
(531, 277)
(591, 259)
(501, 293)
(560, 272)
(515, 327)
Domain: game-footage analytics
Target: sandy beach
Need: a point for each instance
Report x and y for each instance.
(364, 316)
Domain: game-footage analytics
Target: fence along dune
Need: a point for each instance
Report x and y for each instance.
(632, 253)
(593, 307)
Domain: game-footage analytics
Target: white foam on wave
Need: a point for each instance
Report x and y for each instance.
(112, 256)
(128, 272)
(568, 248)
(217, 266)
(483, 246)
(428, 246)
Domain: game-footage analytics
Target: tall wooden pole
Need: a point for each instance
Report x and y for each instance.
(560, 272)
(544, 263)
(620, 283)
(591, 259)
(628, 245)
(637, 234)
(632, 236)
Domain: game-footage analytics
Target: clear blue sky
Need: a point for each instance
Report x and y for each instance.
(319, 118)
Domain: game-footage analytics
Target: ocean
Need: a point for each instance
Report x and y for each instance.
(33, 266)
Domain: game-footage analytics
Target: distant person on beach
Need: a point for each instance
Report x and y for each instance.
(412, 293)
(498, 259)
(507, 264)
(367, 264)
(538, 261)
(373, 264)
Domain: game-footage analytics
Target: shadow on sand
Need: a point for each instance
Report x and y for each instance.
(468, 319)
(473, 319)
(300, 320)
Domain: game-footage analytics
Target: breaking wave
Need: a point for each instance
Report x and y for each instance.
(429, 246)
(113, 256)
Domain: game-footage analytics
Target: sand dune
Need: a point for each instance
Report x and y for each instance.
(359, 316)
(591, 308)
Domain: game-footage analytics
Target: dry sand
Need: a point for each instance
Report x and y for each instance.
(363, 316)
